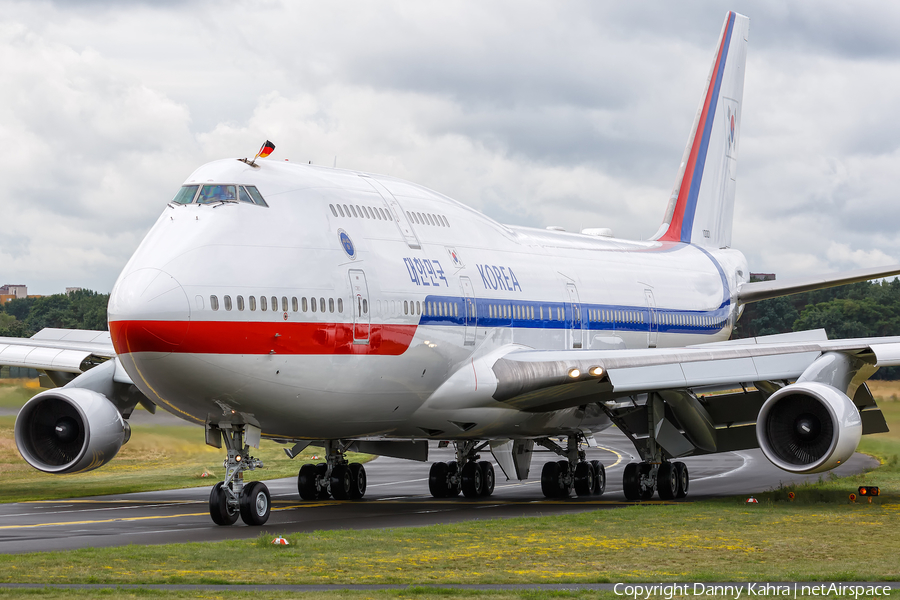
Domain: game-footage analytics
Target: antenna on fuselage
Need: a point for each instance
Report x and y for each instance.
(266, 149)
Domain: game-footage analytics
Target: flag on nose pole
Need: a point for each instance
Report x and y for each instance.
(266, 149)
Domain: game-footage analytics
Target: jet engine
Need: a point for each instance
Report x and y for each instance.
(67, 430)
(808, 427)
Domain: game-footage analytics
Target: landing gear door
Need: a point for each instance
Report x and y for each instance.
(653, 331)
(470, 315)
(360, 306)
(396, 211)
(575, 323)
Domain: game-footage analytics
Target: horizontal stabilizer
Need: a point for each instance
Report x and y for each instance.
(764, 290)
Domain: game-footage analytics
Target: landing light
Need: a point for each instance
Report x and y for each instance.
(574, 373)
(596, 371)
(237, 458)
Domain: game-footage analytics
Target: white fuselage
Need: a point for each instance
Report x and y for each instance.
(408, 287)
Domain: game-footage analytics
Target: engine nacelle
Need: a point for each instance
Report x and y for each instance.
(808, 427)
(67, 430)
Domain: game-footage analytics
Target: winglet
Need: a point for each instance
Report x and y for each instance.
(702, 202)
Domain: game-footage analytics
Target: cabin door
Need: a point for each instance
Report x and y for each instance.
(360, 302)
(470, 315)
(653, 330)
(574, 310)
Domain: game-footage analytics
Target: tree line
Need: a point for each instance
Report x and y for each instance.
(84, 309)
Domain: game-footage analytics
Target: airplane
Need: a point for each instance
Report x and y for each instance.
(358, 312)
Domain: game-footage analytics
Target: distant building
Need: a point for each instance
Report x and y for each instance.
(11, 292)
(72, 290)
(762, 276)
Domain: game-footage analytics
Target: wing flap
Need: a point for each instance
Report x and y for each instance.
(69, 351)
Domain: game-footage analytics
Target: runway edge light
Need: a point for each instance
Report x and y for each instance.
(280, 541)
(868, 490)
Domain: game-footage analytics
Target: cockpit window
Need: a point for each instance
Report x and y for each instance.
(186, 194)
(254, 193)
(217, 193)
(212, 193)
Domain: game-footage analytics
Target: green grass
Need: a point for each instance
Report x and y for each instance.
(16, 392)
(236, 594)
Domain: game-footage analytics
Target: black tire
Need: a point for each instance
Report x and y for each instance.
(321, 469)
(667, 481)
(684, 479)
(550, 480)
(256, 504)
(487, 478)
(306, 483)
(341, 482)
(437, 480)
(358, 481)
(584, 479)
(219, 510)
(599, 477)
(631, 482)
(472, 480)
(646, 492)
(453, 488)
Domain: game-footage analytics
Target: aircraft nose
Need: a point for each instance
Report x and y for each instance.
(148, 312)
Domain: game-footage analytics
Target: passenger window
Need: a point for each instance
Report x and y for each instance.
(217, 193)
(214, 303)
(262, 303)
(331, 305)
(340, 305)
(305, 305)
(353, 208)
(408, 216)
(365, 306)
(274, 303)
(383, 215)
(252, 302)
(186, 194)
(294, 305)
(405, 307)
(369, 213)
(347, 210)
(257, 197)
(240, 302)
(418, 308)
(321, 304)
(312, 301)
(340, 210)
(446, 222)
(334, 212)
(227, 302)
(284, 304)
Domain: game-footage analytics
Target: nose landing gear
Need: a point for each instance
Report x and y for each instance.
(231, 498)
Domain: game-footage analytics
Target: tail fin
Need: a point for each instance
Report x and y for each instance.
(701, 206)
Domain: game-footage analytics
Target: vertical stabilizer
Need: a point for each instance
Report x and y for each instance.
(701, 206)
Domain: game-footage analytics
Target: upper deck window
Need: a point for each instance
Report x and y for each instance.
(211, 193)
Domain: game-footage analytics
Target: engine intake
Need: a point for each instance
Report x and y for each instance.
(69, 430)
(808, 427)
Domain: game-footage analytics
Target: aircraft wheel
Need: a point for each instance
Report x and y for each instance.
(584, 479)
(487, 478)
(323, 492)
(599, 477)
(221, 513)
(472, 480)
(256, 503)
(550, 479)
(453, 488)
(564, 471)
(631, 482)
(667, 481)
(357, 481)
(646, 490)
(306, 482)
(341, 482)
(684, 479)
(437, 480)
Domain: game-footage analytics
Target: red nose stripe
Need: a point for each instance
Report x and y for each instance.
(217, 337)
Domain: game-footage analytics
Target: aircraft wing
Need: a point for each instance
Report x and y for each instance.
(58, 350)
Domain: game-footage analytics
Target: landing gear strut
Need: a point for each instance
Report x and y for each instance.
(560, 478)
(335, 477)
(231, 498)
(475, 479)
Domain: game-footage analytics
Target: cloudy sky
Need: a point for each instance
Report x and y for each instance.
(538, 113)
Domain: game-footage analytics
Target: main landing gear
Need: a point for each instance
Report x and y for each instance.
(336, 477)
(560, 478)
(475, 479)
(670, 480)
(231, 498)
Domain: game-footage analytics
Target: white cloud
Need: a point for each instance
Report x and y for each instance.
(535, 113)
